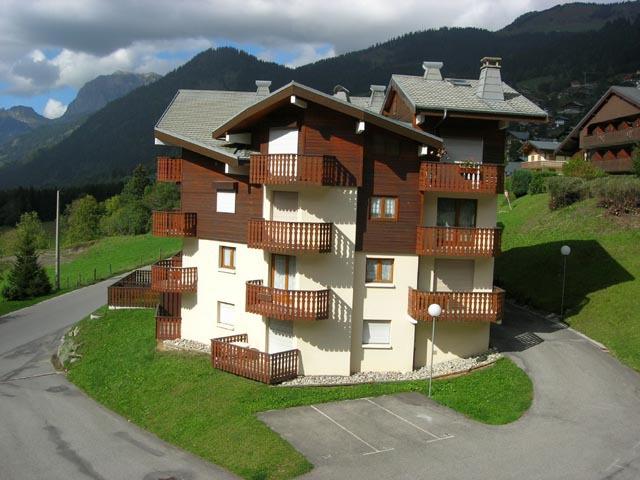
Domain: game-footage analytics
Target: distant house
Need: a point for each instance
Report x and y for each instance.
(571, 108)
(609, 131)
(540, 154)
(560, 121)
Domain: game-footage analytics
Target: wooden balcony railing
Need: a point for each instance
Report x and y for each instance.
(169, 169)
(458, 242)
(232, 354)
(456, 177)
(174, 224)
(169, 276)
(167, 324)
(295, 237)
(288, 168)
(133, 291)
(544, 165)
(287, 304)
(458, 306)
(611, 138)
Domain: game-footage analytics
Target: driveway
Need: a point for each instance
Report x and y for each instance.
(584, 422)
(49, 429)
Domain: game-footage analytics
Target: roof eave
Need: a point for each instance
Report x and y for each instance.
(194, 146)
(458, 112)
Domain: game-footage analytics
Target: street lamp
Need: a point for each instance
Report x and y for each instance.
(565, 251)
(434, 312)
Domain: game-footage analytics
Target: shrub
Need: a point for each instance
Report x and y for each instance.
(563, 191)
(635, 156)
(520, 182)
(538, 182)
(82, 220)
(619, 195)
(578, 167)
(130, 219)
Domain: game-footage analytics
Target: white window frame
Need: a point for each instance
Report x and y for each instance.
(225, 200)
(380, 343)
(228, 325)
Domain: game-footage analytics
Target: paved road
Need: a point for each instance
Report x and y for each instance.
(584, 422)
(50, 430)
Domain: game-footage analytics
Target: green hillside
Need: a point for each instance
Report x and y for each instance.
(602, 296)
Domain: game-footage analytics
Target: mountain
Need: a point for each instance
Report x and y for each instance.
(96, 93)
(17, 120)
(573, 17)
(116, 138)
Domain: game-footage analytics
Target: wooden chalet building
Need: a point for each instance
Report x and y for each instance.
(607, 134)
(541, 155)
(318, 228)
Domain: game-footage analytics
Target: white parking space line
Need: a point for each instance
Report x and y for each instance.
(374, 449)
(435, 437)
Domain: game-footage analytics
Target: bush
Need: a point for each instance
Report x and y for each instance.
(520, 182)
(563, 191)
(635, 156)
(82, 220)
(619, 195)
(538, 183)
(578, 167)
(131, 219)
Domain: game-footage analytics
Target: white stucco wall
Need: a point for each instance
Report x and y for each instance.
(453, 340)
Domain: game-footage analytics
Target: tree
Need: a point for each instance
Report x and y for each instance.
(26, 279)
(520, 182)
(83, 220)
(162, 196)
(136, 185)
(30, 227)
(635, 156)
(578, 167)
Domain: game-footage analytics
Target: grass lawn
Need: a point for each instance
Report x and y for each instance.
(184, 401)
(602, 295)
(103, 258)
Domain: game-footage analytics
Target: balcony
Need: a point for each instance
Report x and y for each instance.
(306, 305)
(169, 276)
(611, 138)
(232, 354)
(463, 178)
(544, 165)
(294, 237)
(169, 169)
(458, 242)
(167, 324)
(174, 224)
(458, 306)
(133, 291)
(286, 169)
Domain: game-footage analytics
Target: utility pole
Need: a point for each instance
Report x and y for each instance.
(57, 239)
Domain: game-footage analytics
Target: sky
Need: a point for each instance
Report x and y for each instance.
(50, 48)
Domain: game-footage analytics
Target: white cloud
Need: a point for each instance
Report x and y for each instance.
(54, 108)
(92, 37)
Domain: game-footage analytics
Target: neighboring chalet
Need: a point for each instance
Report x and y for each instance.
(318, 228)
(608, 132)
(540, 155)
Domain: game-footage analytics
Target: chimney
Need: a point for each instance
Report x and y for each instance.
(377, 94)
(432, 70)
(342, 93)
(490, 83)
(263, 87)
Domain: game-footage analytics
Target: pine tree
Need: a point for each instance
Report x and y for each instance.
(27, 279)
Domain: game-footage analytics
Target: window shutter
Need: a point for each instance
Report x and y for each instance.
(226, 314)
(376, 332)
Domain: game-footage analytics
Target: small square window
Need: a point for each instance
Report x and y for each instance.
(226, 201)
(383, 208)
(376, 332)
(227, 258)
(379, 270)
(226, 314)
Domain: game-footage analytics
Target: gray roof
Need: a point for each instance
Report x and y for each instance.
(193, 114)
(630, 93)
(460, 95)
(365, 102)
(522, 136)
(544, 144)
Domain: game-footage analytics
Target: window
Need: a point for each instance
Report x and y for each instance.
(379, 270)
(457, 212)
(226, 200)
(227, 258)
(226, 314)
(376, 332)
(383, 208)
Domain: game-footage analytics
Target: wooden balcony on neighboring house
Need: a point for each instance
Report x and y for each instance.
(232, 354)
(458, 242)
(167, 324)
(285, 169)
(611, 137)
(170, 276)
(544, 165)
(293, 237)
(133, 291)
(305, 305)
(458, 306)
(463, 178)
(169, 169)
(174, 224)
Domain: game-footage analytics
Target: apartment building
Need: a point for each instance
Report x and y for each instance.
(318, 228)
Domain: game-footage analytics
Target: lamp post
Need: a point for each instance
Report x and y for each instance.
(434, 312)
(565, 250)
